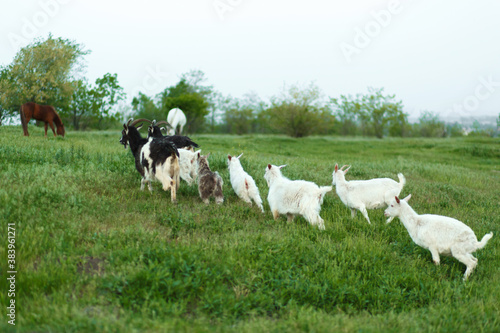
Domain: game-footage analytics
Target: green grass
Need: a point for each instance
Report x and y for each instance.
(95, 254)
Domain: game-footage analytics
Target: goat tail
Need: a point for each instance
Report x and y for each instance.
(219, 196)
(484, 240)
(218, 178)
(325, 189)
(402, 180)
(322, 191)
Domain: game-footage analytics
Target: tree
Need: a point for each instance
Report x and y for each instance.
(3, 110)
(377, 111)
(80, 105)
(372, 114)
(299, 112)
(429, 125)
(238, 119)
(107, 93)
(237, 115)
(144, 106)
(42, 72)
(91, 105)
(189, 95)
(346, 111)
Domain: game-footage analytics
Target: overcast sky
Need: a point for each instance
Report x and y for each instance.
(442, 56)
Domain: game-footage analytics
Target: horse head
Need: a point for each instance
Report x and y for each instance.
(60, 130)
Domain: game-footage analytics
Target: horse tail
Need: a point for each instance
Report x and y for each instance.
(23, 121)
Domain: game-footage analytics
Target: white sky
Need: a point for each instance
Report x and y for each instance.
(442, 56)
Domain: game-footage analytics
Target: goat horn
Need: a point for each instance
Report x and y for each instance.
(342, 169)
(163, 122)
(139, 121)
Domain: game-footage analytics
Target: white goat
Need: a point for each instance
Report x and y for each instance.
(366, 194)
(176, 118)
(243, 184)
(439, 234)
(188, 163)
(292, 197)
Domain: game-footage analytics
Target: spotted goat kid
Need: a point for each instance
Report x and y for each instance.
(209, 183)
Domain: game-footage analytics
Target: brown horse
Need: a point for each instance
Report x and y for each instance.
(45, 113)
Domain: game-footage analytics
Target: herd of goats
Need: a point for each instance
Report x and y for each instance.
(171, 157)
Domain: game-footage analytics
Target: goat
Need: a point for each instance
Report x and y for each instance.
(180, 141)
(366, 194)
(209, 183)
(294, 197)
(439, 234)
(159, 158)
(178, 119)
(132, 137)
(188, 163)
(243, 184)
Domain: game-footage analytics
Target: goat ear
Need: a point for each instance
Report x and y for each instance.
(282, 166)
(240, 156)
(198, 154)
(407, 198)
(336, 167)
(269, 166)
(124, 126)
(397, 199)
(229, 157)
(140, 126)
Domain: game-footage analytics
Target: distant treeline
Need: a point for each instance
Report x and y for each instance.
(50, 72)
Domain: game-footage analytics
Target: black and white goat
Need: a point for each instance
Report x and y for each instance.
(180, 141)
(132, 137)
(160, 160)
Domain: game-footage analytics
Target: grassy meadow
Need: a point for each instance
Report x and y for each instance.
(95, 254)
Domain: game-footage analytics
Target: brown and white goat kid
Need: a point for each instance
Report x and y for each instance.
(294, 197)
(439, 234)
(160, 160)
(209, 183)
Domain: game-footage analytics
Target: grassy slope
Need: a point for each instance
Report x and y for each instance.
(96, 254)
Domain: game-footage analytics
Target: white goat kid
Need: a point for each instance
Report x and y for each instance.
(243, 184)
(294, 197)
(366, 194)
(439, 234)
(188, 163)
